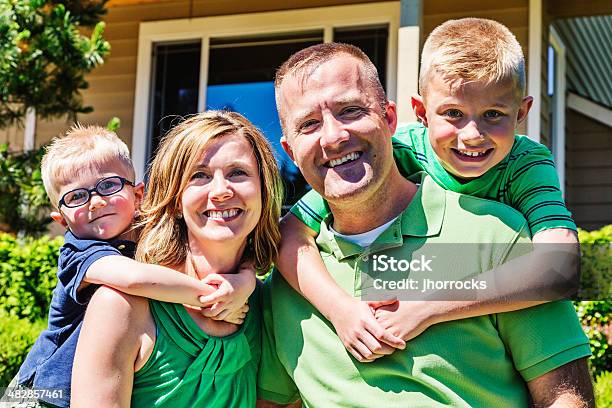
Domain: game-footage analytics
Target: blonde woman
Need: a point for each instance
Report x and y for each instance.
(213, 202)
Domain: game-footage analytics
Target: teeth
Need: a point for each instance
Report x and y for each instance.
(349, 157)
(472, 154)
(222, 214)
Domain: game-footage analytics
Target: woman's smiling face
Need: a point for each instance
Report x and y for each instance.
(222, 200)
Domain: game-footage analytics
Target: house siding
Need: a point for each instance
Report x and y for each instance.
(588, 170)
(112, 86)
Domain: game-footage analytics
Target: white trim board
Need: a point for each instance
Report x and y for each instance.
(590, 109)
(534, 70)
(558, 100)
(237, 25)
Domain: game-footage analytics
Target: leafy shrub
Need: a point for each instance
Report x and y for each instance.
(16, 338)
(28, 270)
(24, 205)
(603, 390)
(595, 319)
(596, 264)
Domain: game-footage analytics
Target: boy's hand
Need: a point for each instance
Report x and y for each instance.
(405, 320)
(238, 316)
(360, 333)
(233, 291)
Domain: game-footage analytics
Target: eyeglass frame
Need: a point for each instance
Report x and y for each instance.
(89, 191)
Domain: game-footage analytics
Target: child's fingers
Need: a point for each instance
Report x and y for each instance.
(213, 311)
(217, 296)
(384, 335)
(381, 303)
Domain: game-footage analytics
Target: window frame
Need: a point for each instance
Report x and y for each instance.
(238, 25)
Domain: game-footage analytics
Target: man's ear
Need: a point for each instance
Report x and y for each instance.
(524, 109)
(287, 148)
(391, 116)
(59, 218)
(418, 107)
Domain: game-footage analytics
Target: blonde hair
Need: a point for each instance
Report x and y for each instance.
(305, 61)
(82, 149)
(473, 49)
(164, 236)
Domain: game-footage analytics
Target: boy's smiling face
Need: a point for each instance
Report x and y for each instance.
(470, 125)
(101, 217)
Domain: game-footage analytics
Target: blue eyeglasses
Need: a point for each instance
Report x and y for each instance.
(105, 187)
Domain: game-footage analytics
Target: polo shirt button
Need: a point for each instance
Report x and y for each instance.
(365, 258)
(120, 247)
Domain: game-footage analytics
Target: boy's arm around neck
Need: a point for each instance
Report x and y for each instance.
(146, 280)
(301, 265)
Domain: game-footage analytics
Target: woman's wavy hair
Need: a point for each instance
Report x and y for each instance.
(163, 239)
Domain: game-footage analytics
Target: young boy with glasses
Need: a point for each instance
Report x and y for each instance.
(88, 176)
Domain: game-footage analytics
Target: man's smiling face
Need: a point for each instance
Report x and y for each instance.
(335, 128)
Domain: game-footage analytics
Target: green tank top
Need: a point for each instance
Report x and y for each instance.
(189, 368)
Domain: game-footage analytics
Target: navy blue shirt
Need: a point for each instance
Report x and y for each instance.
(49, 363)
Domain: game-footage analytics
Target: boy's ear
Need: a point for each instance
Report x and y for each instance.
(139, 193)
(59, 218)
(418, 106)
(524, 109)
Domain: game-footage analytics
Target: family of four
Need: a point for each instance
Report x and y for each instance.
(180, 321)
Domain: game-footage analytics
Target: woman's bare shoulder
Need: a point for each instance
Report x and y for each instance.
(119, 308)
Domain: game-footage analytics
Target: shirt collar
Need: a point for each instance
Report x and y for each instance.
(422, 218)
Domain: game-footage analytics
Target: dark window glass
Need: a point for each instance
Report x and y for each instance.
(176, 77)
(240, 79)
(372, 41)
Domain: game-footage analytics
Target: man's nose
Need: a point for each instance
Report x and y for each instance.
(470, 134)
(96, 201)
(334, 134)
(220, 188)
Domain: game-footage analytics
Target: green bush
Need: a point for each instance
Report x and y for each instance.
(28, 274)
(603, 390)
(24, 205)
(596, 264)
(16, 338)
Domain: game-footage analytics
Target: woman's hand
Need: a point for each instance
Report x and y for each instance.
(228, 302)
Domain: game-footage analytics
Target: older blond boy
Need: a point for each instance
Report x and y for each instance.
(89, 178)
(472, 85)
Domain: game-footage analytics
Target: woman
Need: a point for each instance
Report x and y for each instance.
(213, 202)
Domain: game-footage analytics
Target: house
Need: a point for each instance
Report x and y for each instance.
(175, 57)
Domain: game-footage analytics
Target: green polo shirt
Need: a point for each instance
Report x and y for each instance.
(481, 361)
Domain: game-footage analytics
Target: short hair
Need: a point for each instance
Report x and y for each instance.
(304, 62)
(164, 236)
(82, 148)
(473, 49)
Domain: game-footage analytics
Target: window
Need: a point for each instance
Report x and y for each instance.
(202, 64)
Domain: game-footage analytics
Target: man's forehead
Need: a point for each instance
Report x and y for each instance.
(340, 67)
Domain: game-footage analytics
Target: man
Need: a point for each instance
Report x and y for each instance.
(337, 127)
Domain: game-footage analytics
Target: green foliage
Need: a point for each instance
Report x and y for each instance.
(44, 56)
(595, 319)
(16, 338)
(603, 390)
(113, 124)
(596, 264)
(596, 286)
(28, 271)
(24, 205)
